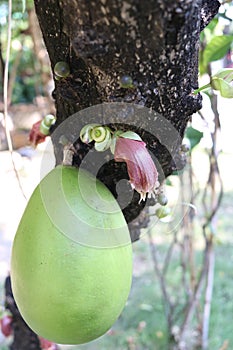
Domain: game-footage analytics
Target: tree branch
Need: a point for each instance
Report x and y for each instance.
(161, 278)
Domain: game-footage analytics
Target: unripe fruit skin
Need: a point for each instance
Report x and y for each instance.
(67, 292)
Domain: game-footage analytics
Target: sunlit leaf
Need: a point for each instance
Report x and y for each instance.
(217, 48)
(194, 136)
(212, 25)
(131, 135)
(225, 88)
(85, 133)
(223, 82)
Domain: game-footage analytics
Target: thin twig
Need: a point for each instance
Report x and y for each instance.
(5, 96)
(5, 82)
(166, 299)
(2, 64)
(169, 254)
(215, 201)
(196, 296)
(13, 75)
(208, 297)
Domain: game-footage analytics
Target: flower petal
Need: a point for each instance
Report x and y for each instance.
(141, 168)
(35, 135)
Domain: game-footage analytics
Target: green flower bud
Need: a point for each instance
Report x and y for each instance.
(162, 212)
(126, 82)
(162, 199)
(46, 123)
(61, 69)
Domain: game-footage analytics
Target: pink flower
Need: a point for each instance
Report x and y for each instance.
(6, 325)
(141, 168)
(36, 136)
(47, 345)
(41, 129)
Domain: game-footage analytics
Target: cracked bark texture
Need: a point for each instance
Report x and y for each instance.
(155, 42)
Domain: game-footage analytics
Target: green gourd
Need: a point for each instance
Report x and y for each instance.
(71, 265)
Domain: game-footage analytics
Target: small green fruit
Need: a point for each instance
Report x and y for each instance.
(162, 199)
(126, 82)
(162, 212)
(71, 265)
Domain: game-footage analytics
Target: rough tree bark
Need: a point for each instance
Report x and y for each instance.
(155, 42)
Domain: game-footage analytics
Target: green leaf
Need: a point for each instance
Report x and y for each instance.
(212, 25)
(106, 142)
(103, 146)
(202, 66)
(225, 88)
(223, 81)
(85, 133)
(225, 73)
(217, 48)
(194, 136)
(131, 135)
(168, 182)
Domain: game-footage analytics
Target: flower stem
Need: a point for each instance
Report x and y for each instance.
(195, 92)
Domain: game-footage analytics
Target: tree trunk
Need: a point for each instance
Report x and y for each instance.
(155, 43)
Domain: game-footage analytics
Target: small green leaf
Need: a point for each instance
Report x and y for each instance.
(85, 133)
(194, 136)
(116, 134)
(212, 25)
(168, 182)
(162, 212)
(100, 133)
(225, 88)
(106, 141)
(131, 135)
(113, 144)
(103, 146)
(226, 74)
(223, 81)
(217, 48)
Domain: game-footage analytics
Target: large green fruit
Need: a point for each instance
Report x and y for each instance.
(71, 265)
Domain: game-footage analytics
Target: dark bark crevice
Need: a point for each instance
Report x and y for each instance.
(24, 337)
